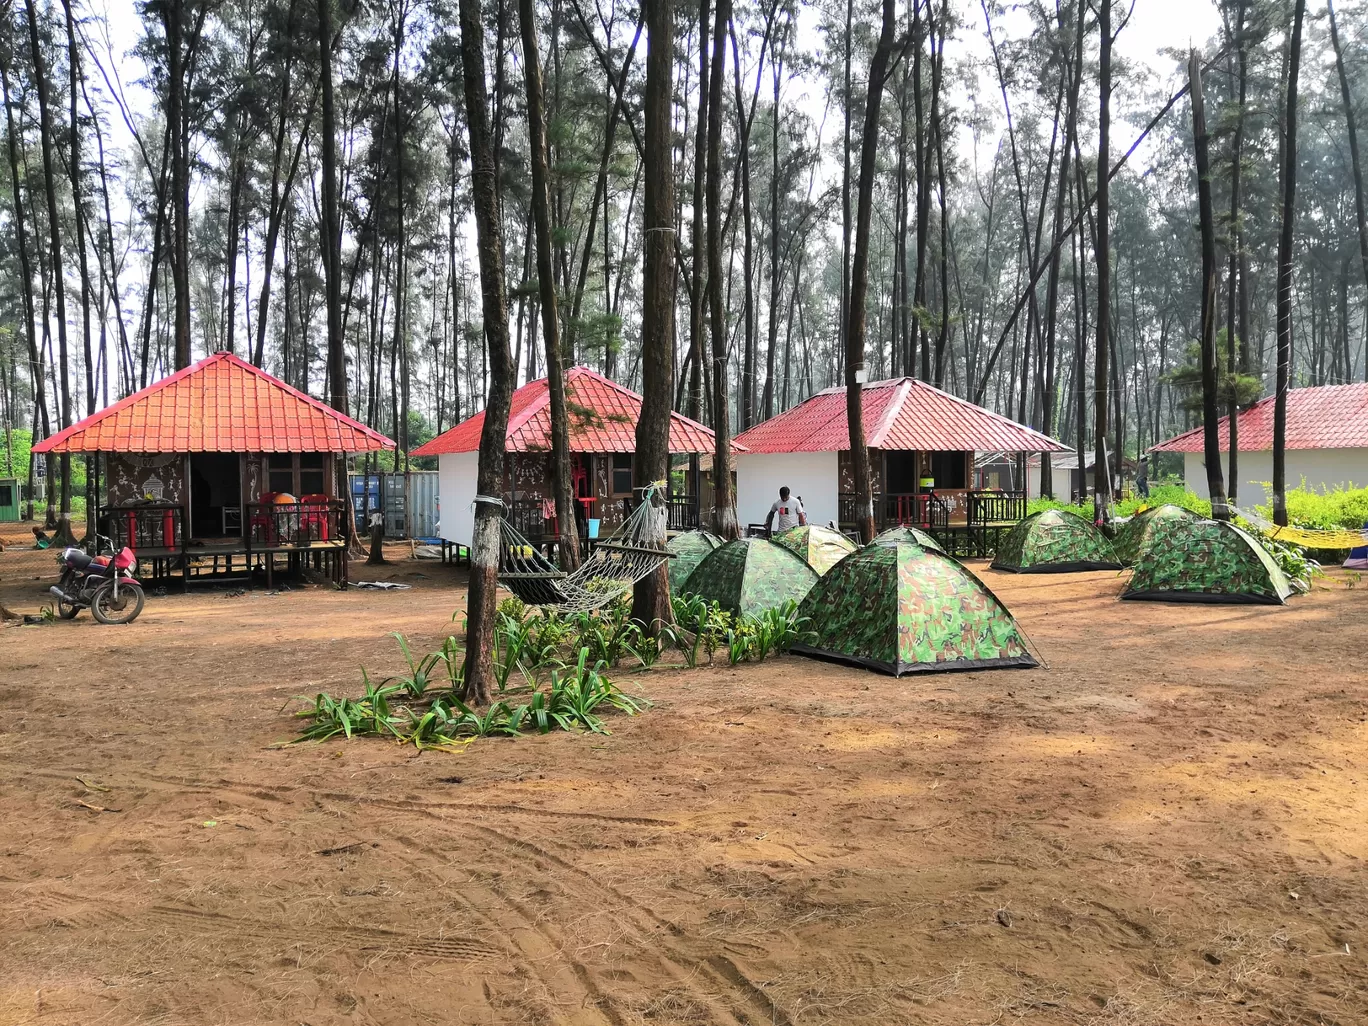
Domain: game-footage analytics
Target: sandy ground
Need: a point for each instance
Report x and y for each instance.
(1166, 826)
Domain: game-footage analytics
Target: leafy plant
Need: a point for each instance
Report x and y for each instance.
(647, 648)
(686, 633)
(1293, 561)
(420, 671)
(741, 639)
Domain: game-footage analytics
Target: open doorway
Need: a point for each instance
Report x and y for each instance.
(900, 472)
(215, 495)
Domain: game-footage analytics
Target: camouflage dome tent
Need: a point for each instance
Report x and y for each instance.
(907, 533)
(1054, 541)
(689, 549)
(821, 547)
(750, 575)
(900, 608)
(1135, 532)
(1206, 561)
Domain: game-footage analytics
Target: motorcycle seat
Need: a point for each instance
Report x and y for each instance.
(77, 559)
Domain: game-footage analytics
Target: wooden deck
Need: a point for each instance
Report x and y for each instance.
(279, 538)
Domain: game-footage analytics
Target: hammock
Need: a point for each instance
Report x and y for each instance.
(1308, 537)
(631, 553)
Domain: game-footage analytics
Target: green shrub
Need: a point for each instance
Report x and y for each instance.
(1326, 509)
(1175, 494)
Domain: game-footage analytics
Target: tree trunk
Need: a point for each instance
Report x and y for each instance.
(724, 512)
(1211, 442)
(772, 321)
(567, 540)
(63, 535)
(697, 312)
(172, 14)
(1232, 272)
(1074, 69)
(1360, 216)
(746, 416)
(859, 279)
(1284, 294)
(651, 598)
(484, 557)
(35, 353)
(1101, 471)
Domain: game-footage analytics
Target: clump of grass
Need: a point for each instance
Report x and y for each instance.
(575, 699)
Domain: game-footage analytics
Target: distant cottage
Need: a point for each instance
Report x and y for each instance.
(603, 417)
(1327, 443)
(922, 444)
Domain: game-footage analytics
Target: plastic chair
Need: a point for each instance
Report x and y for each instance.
(263, 518)
(313, 517)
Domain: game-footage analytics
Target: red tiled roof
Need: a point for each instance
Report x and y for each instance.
(901, 413)
(603, 419)
(1327, 417)
(221, 404)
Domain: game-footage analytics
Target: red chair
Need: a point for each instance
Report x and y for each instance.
(313, 516)
(264, 518)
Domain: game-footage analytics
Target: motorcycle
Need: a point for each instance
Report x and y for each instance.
(105, 583)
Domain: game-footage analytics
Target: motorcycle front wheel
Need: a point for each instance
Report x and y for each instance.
(124, 609)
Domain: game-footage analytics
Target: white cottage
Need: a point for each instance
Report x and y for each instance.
(922, 443)
(1327, 443)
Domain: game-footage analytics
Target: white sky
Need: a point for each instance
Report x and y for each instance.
(1154, 25)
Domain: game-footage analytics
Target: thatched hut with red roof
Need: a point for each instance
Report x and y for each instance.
(922, 442)
(222, 469)
(603, 418)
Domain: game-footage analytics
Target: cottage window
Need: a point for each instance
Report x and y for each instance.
(622, 473)
(311, 473)
(948, 468)
(280, 472)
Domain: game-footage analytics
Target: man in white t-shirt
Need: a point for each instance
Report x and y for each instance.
(785, 513)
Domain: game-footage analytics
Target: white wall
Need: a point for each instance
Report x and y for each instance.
(1322, 469)
(812, 476)
(457, 474)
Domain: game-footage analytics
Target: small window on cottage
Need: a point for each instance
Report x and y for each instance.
(280, 472)
(948, 468)
(311, 473)
(622, 473)
(6, 495)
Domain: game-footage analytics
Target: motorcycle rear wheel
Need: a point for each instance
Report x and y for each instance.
(106, 609)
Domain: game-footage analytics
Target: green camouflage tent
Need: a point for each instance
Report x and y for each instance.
(1206, 561)
(822, 547)
(915, 535)
(750, 575)
(689, 549)
(1135, 532)
(901, 608)
(1054, 541)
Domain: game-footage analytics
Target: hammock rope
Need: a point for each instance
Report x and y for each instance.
(1308, 537)
(631, 553)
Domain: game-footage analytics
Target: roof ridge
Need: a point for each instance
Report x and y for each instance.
(890, 413)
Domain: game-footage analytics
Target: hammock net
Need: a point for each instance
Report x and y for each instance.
(631, 553)
(1310, 538)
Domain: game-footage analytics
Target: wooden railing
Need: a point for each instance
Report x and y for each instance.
(924, 510)
(528, 519)
(151, 526)
(682, 511)
(275, 525)
(996, 507)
